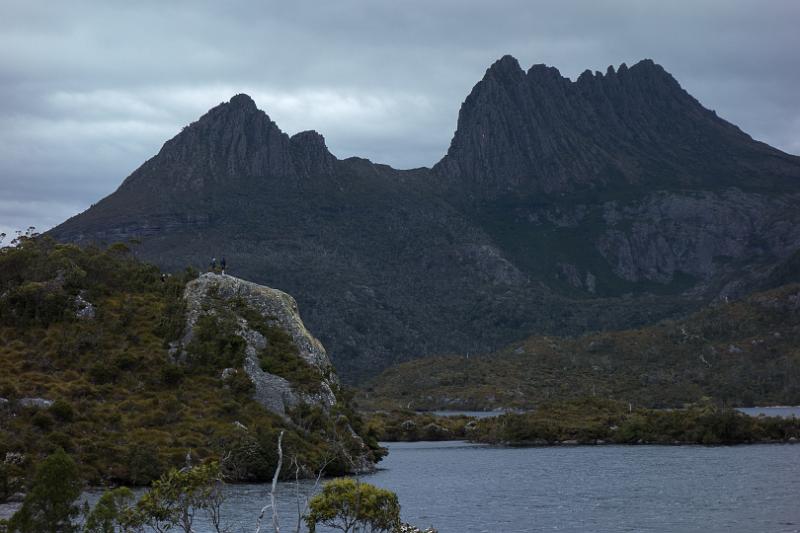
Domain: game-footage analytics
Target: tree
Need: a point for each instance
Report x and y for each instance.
(346, 504)
(110, 512)
(51, 504)
(175, 499)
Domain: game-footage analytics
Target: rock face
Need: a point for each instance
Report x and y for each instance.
(522, 133)
(213, 294)
(560, 207)
(233, 140)
(37, 403)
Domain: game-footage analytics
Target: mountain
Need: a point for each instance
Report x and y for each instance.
(560, 207)
(741, 353)
(537, 132)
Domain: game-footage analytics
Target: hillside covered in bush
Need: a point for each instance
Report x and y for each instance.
(598, 421)
(744, 353)
(93, 361)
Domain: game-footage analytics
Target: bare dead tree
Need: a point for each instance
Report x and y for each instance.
(215, 499)
(304, 499)
(271, 505)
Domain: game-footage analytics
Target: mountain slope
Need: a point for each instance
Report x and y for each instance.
(742, 353)
(561, 207)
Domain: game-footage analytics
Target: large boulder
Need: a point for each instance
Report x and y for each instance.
(222, 294)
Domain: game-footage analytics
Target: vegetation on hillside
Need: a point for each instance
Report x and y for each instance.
(403, 425)
(596, 421)
(84, 347)
(743, 353)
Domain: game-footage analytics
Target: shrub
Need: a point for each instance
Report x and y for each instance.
(5, 483)
(62, 410)
(143, 463)
(111, 511)
(176, 497)
(282, 358)
(50, 505)
(346, 504)
(60, 439)
(215, 345)
(102, 372)
(171, 374)
(42, 420)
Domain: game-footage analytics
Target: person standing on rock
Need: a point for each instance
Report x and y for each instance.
(222, 265)
(213, 267)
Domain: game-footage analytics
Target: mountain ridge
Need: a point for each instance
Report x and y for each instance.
(561, 207)
(517, 132)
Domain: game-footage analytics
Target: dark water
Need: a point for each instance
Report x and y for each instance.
(462, 488)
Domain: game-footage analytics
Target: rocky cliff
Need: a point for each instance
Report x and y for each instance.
(218, 296)
(561, 207)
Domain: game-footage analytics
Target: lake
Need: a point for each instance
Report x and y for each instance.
(464, 488)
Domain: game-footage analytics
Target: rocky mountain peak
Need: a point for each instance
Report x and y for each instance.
(310, 154)
(505, 69)
(540, 133)
(243, 101)
(540, 72)
(234, 142)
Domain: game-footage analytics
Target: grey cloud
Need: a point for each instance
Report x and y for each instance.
(89, 90)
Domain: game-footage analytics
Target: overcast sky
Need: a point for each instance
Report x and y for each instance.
(89, 90)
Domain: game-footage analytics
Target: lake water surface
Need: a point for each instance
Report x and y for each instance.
(463, 488)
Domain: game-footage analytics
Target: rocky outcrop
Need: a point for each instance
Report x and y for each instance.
(310, 154)
(35, 403)
(84, 309)
(701, 234)
(217, 294)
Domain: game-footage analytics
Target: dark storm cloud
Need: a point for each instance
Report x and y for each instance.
(89, 90)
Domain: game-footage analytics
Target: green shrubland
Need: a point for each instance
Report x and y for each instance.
(411, 426)
(123, 406)
(594, 420)
(745, 353)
